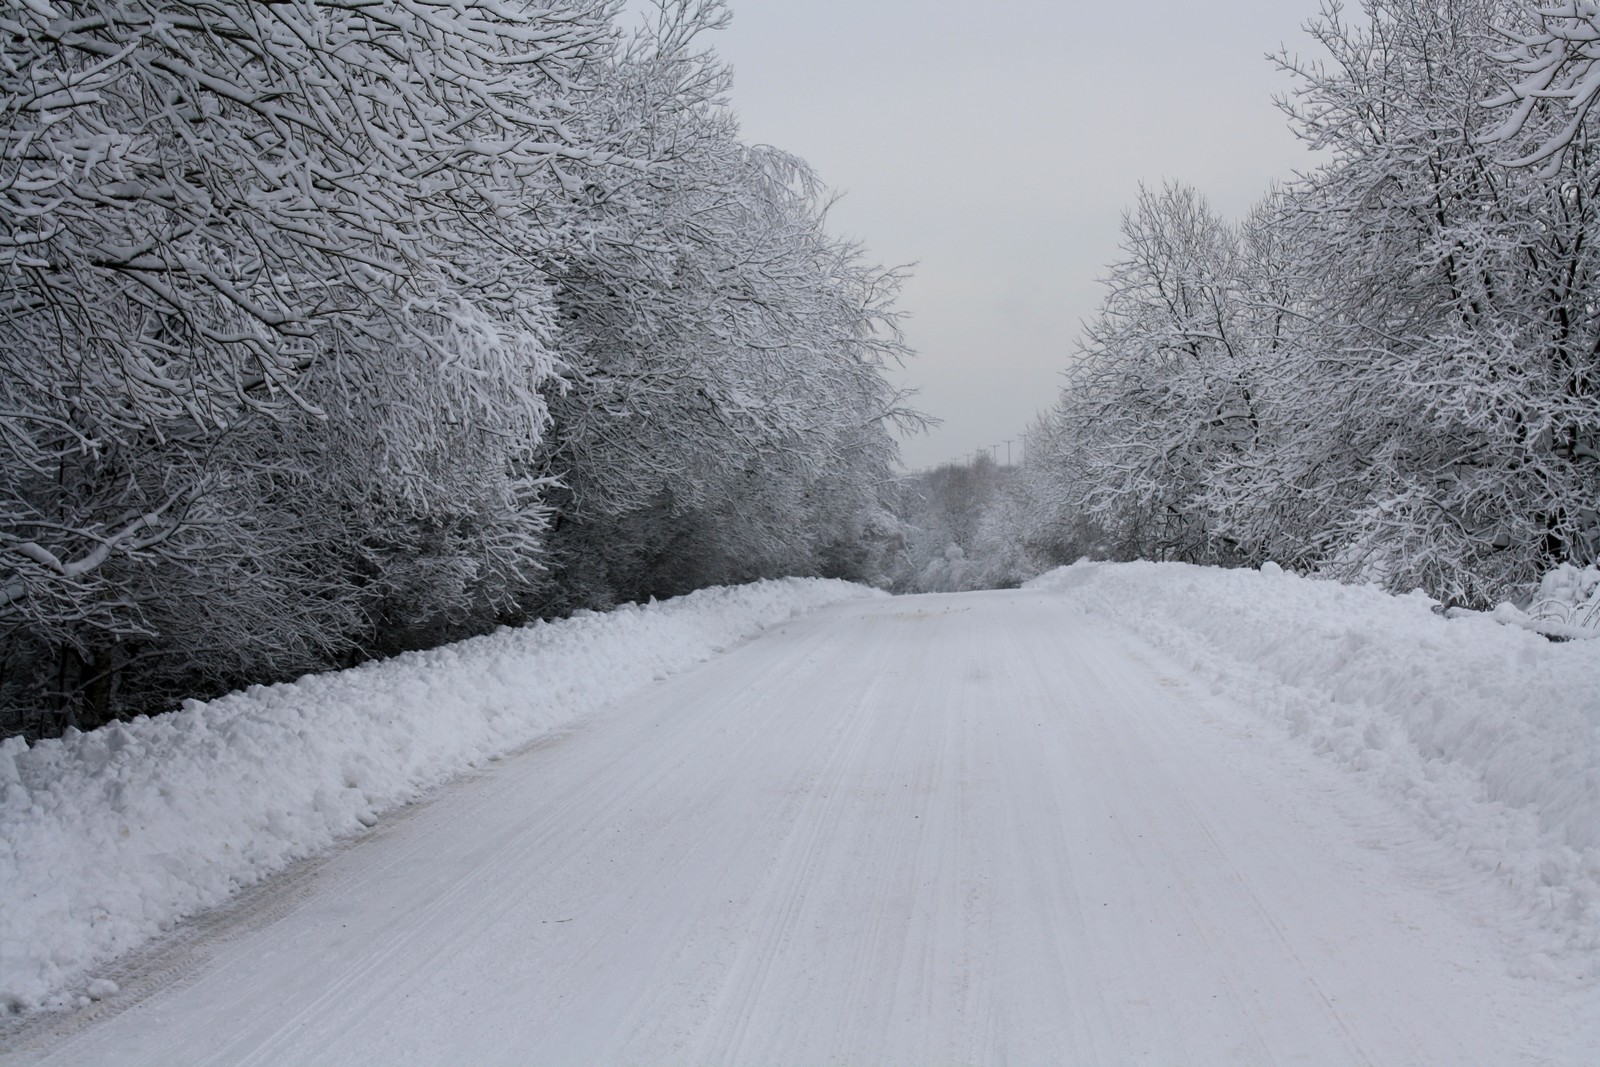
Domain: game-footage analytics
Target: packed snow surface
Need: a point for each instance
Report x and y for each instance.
(1134, 814)
(109, 837)
(1487, 734)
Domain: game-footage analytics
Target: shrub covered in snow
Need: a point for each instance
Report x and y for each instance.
(1569, 595)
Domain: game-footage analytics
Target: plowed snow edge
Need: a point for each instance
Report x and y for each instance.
(108, 838)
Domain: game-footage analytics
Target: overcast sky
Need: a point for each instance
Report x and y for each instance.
(996, 145)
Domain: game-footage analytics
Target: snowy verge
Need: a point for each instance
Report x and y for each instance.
(108, 837)
(1488, 733)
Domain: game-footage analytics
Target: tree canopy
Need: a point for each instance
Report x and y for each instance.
(338, 327)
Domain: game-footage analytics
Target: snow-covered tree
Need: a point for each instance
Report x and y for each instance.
(1450, 376)
(1388, 371)
(725, 409)
(963, 527)
(1554, 80)
(224, 220)
(298, 289)
(1161, 390)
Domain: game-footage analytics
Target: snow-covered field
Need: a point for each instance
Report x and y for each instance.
(109, 837)
(1487, 734)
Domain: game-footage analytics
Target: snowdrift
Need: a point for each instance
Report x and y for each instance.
(1488, 733)
(106, 838)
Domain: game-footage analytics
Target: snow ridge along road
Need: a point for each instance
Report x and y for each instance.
(108, 837)
(963, 829)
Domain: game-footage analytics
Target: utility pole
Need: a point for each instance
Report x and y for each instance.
(1008, 450)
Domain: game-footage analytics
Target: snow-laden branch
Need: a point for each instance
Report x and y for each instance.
(138, 533)
(1553, 82)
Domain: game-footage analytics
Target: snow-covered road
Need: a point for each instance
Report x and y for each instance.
(965, 829)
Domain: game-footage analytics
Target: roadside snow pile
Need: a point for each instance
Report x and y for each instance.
(1490, 734)
(108, 837)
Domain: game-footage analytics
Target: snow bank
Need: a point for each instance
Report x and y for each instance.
(108, 837)
(1490, 734)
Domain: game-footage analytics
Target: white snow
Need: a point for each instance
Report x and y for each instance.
(985, 828)
(1488, 735)
(109, 837)
(1133, 813)
(101, 988)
